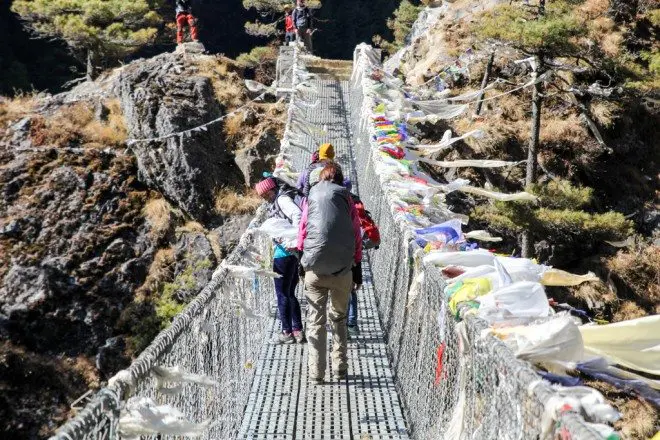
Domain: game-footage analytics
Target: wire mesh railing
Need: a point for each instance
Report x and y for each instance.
(209, 338)
(454, 381)
(217, 336)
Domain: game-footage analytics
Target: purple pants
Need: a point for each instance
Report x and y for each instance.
(285, 288)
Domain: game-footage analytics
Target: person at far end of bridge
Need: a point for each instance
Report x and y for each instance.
(330, 239)
(184, 17)
(289, 27)
(320, 158)
(302, 20)
(284, 202)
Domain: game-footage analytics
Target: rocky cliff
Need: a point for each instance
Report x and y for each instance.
(102, 240)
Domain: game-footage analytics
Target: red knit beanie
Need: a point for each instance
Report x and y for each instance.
(265, 185)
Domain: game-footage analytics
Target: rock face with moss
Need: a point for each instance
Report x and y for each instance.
(162, 96)
(102, 242)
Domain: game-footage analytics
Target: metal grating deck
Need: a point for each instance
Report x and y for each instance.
(365, 406)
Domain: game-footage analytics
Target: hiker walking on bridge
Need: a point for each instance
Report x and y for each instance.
(302, 20)
(285, 203)
(184, 17)
(330, 239)
(320, 158)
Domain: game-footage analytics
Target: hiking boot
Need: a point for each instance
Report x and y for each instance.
(299, 336)
(285, 338)
(340, 375)
(353, 330)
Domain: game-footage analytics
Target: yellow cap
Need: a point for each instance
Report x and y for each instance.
(326, 151)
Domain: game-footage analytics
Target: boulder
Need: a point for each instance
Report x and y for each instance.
(259, 157)
(162, 97)
(22, 288)
(229, 233)
(194, 263)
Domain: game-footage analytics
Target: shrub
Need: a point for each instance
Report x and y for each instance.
(400, 25)
(557, 216)
(553, 34)
(257, 57)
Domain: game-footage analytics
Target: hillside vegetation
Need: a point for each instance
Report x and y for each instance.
(592, 122)
(100, 244)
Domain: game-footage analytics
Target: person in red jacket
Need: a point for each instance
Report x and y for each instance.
(289, 27)
(185, 17)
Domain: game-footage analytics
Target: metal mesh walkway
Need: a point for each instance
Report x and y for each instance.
(452, 381)
(282, 403)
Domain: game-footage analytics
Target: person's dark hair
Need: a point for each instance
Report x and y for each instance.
(332, 173)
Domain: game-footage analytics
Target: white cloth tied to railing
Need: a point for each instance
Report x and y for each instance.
(141, 416)
(475, 163)
(174, 375)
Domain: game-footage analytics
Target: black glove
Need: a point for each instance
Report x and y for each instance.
(357, 274)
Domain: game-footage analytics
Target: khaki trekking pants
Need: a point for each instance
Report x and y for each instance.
(320, 288)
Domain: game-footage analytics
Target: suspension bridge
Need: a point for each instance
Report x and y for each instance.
(413, 371)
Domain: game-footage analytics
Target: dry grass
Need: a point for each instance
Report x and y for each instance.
(191, 226)
(230, 202)
(596, 295)
(638, 418)
(563, 130)
(159, 273)
(604, 112)
(158, 212)
(214, 239)
(15, 108)
(595, 8)
(86, 368)
(601, 25)
(512, 107)
(234, 124)
(638, 421)
(639, 268)
(628, 310)
(225, 76)
(111, 132)
(75, 124)
(612, 43)
(63, 128)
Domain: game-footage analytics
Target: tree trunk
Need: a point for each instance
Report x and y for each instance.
(532, 151)
(537, 101)
(541, 7)
(91, 75)
(527, 245)
(484, 82)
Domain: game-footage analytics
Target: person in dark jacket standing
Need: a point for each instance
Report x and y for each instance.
(184, 17)
(302, 20)
(331, 241)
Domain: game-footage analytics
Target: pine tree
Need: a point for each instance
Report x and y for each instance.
(100, 30)
(400, 24)
(543, 34)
